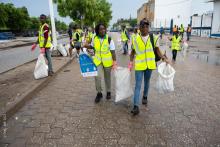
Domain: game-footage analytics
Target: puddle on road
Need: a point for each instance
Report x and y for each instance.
(210, 57)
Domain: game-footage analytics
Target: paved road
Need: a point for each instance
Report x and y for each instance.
(14, 57)
(64, 113)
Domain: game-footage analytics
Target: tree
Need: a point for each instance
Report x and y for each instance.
(3, 16)
(34, 23)
(85, 11)
(14, 18)
(132, 22)
(60, 26)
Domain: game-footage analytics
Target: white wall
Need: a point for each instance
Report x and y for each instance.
(196, 21)
(207, 20)
(216, 18)
(201, 6)
(165, 10)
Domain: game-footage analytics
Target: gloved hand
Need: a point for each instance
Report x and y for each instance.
(42, 50)
(114, 66)
(130, 65)
(33, 46)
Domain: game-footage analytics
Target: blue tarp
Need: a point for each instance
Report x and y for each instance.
(87, 67)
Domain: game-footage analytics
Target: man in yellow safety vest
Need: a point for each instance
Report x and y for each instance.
(44, 40)
(145, 63)
(181, 30)
(125, 39)
(76, 40)
(188, 32)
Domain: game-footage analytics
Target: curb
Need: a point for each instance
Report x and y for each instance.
(20, 102)
(24, 44)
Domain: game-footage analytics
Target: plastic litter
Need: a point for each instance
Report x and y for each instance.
(123, 88)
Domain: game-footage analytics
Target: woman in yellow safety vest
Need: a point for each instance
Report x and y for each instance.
(145, 63)
(104, 58)
(175, 45)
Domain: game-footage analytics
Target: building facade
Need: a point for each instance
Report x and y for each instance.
(216, 19)
(146, 11)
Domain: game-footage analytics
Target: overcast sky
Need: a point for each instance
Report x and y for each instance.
(120, 8)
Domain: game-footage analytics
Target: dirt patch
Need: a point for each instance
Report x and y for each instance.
(15, 83)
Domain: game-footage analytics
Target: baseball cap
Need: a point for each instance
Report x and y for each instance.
(144, 22)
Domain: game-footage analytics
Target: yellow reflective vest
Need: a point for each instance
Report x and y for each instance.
(124, 36)
(133, 36)
(176, 43)
(75, 38)
(102, 52)
(91, 35)
(41, 37)
(181, 29)
(145, 57)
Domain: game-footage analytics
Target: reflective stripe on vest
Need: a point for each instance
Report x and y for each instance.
(41, 37)
(145, 57)
(102, 52)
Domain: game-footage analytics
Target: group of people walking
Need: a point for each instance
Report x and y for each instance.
(145, 51)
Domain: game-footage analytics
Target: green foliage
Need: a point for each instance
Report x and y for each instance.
(18, 19)
(60, 26)
(132, 22)
(34, 23)
(85, 11)
(3, 16)
(13, 18)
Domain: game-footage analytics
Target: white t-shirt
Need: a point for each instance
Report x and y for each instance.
(111, 45)
(145, 38)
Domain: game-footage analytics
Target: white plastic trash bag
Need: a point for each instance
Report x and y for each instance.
(41, 68)
(123, 88)
(62, 50)
(184, 49)
(164, 82)
(185, 45)
(67, 47)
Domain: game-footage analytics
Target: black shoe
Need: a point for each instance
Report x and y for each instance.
(98, 97)
(144, 101)
(50, 73)
(135, 110)
(108, 96)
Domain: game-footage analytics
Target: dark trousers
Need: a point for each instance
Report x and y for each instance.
(48, 57)
(174, 54)
(188, 36)
(125, 47)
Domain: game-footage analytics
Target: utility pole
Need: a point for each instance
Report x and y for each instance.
(54, 36)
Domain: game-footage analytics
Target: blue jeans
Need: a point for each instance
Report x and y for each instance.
(48, 57)
(138, 79)
(125, 47)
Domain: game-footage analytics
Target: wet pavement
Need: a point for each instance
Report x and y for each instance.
(64, 114)
(210, 57)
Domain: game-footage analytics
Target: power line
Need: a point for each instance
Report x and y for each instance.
(169, 4)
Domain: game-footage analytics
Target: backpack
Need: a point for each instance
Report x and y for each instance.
(157, 57)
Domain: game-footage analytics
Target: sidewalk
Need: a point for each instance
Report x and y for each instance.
(16, 82)
(64, 113)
